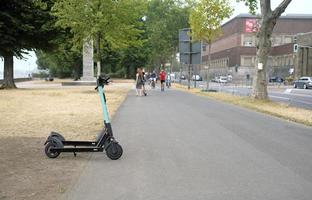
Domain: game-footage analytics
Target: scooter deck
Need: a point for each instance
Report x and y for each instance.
(79, 143)
(86, 149)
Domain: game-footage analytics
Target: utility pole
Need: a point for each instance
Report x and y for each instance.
(190, 63)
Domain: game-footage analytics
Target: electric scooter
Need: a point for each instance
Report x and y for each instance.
(56, 143)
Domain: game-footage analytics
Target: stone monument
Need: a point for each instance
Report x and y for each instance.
(87, 62)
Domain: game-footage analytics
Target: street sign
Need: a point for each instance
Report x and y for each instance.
(184, 58)
(190, 52)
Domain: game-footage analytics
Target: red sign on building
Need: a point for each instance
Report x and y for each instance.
(251, 25)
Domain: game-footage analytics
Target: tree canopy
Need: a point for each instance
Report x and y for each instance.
(164, 18)
(24, 25)
(206, 19)
(115, 21)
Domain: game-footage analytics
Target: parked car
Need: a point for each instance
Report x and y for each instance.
(222, 79)
(229, 77)
(196, 77)
(276, 79)
(216, 79)
(49, 78)
(304, 82)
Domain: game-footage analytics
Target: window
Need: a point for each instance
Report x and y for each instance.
(287, 39)
(247, 61)
(277, 40)
(204, 47)
(248, 41)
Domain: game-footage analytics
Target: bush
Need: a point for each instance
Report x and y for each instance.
(289, 80)
(40, 74)
(119, 74)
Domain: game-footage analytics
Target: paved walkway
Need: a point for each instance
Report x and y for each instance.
(179, 146)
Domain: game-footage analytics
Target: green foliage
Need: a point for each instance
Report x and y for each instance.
(40, 74)
(206, 19)
(164, 18)
(25, 25)
(134, 57)
(252, 5)
(115, 21)
(63, 60)
(60, 64)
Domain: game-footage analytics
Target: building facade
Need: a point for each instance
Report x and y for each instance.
(235, 52)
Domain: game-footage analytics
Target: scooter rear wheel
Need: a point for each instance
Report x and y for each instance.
(57, 135)
(48, 151)
(114, 151)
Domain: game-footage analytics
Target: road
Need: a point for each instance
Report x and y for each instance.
(178, 146)
(291, 96)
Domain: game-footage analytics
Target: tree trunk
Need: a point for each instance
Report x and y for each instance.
(98, 53)
(8, 73)
(209, 64)
(263, 50)
(268, 22)
(127, 71)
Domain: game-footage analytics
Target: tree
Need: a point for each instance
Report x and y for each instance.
(205, 20)
(24, 25)
(63, 60)
(267, 23)
(114, 22)
(132, 58)
(164, 18)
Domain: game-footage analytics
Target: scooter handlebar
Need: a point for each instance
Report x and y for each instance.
(102, 80)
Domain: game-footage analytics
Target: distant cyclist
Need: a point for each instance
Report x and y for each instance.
(162, 77)
(153, 79)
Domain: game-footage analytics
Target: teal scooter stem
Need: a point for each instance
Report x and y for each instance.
(104, 106)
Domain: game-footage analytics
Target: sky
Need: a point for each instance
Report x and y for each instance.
(23, 67)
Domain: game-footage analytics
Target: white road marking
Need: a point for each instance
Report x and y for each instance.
(287, 91)
(277, 97)
(291, 100)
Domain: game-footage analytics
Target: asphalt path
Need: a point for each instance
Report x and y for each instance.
(178, 146)
(294, 97)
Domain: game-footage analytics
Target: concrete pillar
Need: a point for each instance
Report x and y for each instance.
(304, 61)
(309, 64)
(87, 60)
(298, 63)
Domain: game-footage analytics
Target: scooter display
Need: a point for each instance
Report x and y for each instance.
(56, 143)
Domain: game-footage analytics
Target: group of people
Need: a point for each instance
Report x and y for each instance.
(142, 77)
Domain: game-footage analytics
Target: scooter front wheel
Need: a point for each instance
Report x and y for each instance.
(48, 151)
(114, 151)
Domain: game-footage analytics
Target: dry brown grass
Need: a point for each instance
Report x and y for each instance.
(27, 116)
(35, 112)
(280, 110)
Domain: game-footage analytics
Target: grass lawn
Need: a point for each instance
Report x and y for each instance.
(280, 110)
(27, 116)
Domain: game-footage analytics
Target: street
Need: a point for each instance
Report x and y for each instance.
(286, 94)
(178, 146)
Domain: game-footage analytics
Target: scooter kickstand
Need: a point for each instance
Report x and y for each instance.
(75, 152)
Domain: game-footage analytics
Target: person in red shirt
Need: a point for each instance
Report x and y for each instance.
(162, 77)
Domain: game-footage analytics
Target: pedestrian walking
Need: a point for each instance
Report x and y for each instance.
(139, 82)
(144, 81)
(168, 80)
(162, 77)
